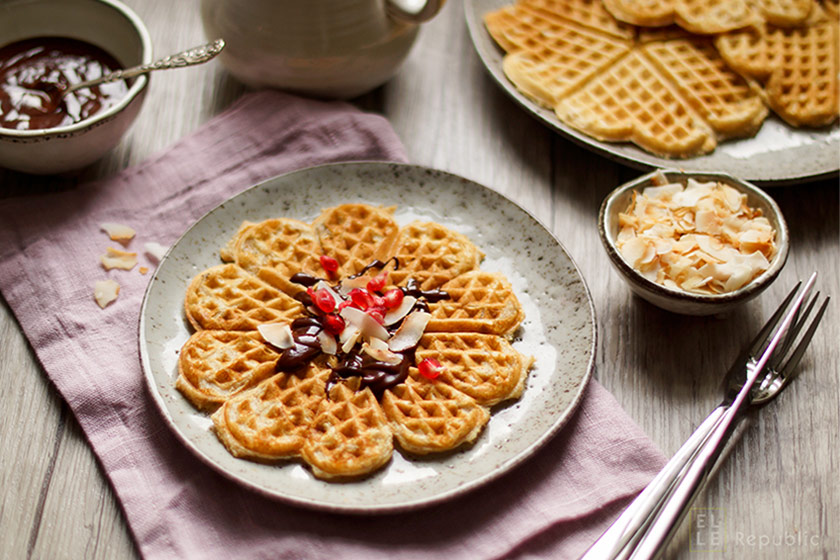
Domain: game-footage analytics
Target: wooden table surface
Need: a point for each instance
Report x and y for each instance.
(778, 485)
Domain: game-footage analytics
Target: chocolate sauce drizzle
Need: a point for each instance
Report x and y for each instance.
(377, 375)
(306, 347)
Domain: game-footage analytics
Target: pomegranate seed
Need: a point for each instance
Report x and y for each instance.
(329, 264)
(377, 282)
(379, 301)
(323, 300)
(334, 324)
(361, 298)
(393, 298)
(430, 368)
(378, 314)
(345, 303)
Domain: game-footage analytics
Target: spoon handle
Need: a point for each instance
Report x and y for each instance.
(189, 57)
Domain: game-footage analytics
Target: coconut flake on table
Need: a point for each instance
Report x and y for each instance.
(703, 238)
(114, 258)
(118, 232)
(105, 292)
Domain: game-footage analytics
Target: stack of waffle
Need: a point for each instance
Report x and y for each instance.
(673, 77)
(340, 429)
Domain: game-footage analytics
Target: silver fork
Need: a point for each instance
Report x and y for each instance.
(649, 521)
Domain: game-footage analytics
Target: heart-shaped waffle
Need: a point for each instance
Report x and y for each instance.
(479, 301)
(645, 13)
(272, 420)
(728, 102)
(432, 255)
(276, 249)
(551, 56)
(214, 365)
(799, 66)
(587, 13)
(484, 367)
(356, 234)
(432, 417)
(785, 13)
(632, 101)
(227, 297)
(349, 436)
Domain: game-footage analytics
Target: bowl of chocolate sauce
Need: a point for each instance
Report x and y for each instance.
(48, 45)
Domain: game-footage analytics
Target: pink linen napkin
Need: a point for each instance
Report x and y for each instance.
(554, 505)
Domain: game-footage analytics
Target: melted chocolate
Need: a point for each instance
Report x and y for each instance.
(378, 376)
(305, 279)
(306, 348)
(432, 296)
(33, 73)
(376, 263)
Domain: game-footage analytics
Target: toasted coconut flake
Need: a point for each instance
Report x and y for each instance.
(105, 292)
(703, 238)
(155, 250)
(348, 337)
(410, 332)
(394, 315)
(328, 344)
(277, 334)
(118, 232)
(634, 250)
(143, 270)
(114, 258)
(381, 354)
(348, 284)
(378, 344)
(364, 322)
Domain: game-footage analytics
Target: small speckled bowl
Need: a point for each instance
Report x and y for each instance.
(107, 24)
(679, 301)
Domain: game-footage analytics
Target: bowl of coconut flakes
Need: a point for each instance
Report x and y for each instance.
(694, 243)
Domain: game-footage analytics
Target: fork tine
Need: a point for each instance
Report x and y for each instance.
(788, 370)
(763, 337)
(735, 377)
(770, 351)
(799, 320)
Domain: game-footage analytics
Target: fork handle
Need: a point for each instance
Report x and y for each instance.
(674, 508)
(641, 511)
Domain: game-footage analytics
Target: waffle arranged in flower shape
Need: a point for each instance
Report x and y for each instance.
(618, 71)
(328, 342)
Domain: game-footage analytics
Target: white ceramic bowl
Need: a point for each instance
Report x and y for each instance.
(679, 301)
(104, 23)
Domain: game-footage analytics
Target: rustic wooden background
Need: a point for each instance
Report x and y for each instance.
(777, 487)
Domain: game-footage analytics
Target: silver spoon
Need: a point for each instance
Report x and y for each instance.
(190, 57)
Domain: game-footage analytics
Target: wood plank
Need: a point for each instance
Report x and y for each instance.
(80, 490)
(31, 427)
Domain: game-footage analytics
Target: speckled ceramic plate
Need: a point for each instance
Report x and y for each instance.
(559, 329)
(777, 155)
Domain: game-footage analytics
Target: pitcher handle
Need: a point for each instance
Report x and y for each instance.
(413, 11)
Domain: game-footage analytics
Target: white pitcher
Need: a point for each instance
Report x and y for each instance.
(323, 48)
